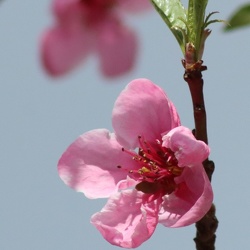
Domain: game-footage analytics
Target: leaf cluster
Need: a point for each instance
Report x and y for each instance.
(187, 25)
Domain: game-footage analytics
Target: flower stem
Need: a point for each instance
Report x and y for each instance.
(206, 227)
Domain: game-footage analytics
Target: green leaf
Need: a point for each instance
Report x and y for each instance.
(240, 18)
(174, 15)
(195, 21)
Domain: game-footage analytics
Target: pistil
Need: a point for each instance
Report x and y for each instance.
(157, 167)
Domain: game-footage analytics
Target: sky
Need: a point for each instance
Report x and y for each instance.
(41, 116)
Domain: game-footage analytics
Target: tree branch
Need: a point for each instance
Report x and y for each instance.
(206, 227)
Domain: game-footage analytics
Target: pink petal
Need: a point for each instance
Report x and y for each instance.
(117, 48)
(142, 109)
(187, 149)
(126, 184)
(65, 8)
(125, 221)
(190, 202)
(135, 6)
(63, 48)
(90, 163)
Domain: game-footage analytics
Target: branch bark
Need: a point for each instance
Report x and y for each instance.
(206, 227)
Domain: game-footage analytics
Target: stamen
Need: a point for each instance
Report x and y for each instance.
(130, 171)
(157, 167)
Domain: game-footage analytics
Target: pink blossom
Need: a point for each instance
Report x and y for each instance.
(150, 168)
(86, 26)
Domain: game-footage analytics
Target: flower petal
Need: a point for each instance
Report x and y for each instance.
(187, 149)
(63, 47)
(190, 202)
(124, 221)
(64, 8)
(135, 6)
(90, 163)
(142, 109)
(117, 48)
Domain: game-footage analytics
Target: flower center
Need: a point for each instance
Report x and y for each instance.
(158, 167)
(98, 3)
(96, 10)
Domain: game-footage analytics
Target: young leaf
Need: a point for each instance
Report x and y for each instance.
(240, 18)
(195, 21)
(174, 15)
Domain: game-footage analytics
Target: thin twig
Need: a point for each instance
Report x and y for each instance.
(206, 227)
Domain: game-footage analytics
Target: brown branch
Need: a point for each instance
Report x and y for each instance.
(206, 227)
(195, 83)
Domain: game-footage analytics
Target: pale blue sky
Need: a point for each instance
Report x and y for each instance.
(40, 117)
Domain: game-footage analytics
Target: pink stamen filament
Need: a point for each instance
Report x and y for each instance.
(157, 164)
